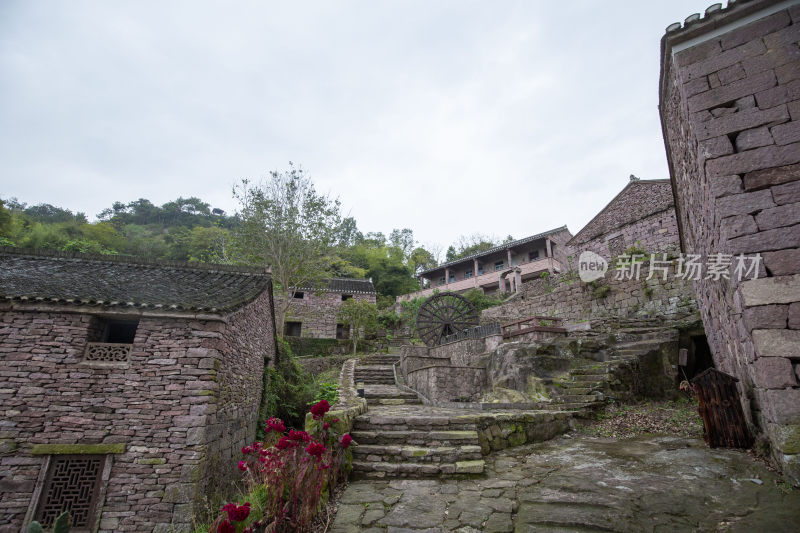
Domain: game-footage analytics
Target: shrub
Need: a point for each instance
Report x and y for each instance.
(480, 300)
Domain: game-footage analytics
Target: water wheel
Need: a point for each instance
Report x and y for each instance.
(444, 314)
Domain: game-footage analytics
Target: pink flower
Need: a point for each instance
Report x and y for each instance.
(242, 466)
(346, 440)
(226, 527)
(275, 424)
(315, 449)
(246, 450)
(319, 409)
(237, 513)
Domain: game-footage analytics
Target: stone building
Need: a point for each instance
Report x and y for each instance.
(501, 269)
(312, 310)
(641, 215)
(730, 113)
(126, 387)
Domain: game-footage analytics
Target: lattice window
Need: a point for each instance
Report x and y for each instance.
(107, 352)
(72, 484)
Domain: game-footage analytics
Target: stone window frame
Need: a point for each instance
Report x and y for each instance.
(299, 328)
(499, 265)
(299, 295)
(533, 255)
(103, 347)
(467, 274)
(346, 297)
(49, 451)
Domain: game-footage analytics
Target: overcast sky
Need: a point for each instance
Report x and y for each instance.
(447, 117)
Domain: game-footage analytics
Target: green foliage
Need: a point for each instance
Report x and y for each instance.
(361, 315)
(288, 392)
(648, 291)
(409, 309)
(388, 319)
(62, 523)
(301, 346)
(601, 291)
(470, 245)
(327, 390)
(480, 300)
(35, 527)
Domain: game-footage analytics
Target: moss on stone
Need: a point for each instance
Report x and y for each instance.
(77, 449)
(154, 461)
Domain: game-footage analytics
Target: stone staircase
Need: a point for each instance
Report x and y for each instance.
(400, 438)
(419, 444)
(583, 388)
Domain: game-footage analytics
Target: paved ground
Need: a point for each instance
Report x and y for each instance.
(584, 484)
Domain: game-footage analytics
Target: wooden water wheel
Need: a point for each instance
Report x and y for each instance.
(444, 314)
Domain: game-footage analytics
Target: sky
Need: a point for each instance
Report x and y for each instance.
(447, 117)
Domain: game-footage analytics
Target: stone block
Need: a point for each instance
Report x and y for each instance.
(696, 86)
(766, 317)
(783, 215)
(768, 240)
(782, 406)
(179, 493)
(785, 437)
(747, 119)
(761, 179)
(711, 148)
(781, 94)
(756, 159)
(788, 72)
(775, 290)
(751, 85)
(698, 53)
(782, 262)
(725, 185)
(794, 316)
(744, 204)
(754, 138)
(774, 373)
(788, 193)
(776, 342)
(786, 133)
(737, 226)
(788, 35)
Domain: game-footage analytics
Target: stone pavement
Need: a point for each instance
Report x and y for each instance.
(583, 484)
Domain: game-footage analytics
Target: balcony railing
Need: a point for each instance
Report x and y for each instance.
(486, 279)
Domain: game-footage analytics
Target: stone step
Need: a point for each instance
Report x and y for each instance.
(386, 392)
(569, 516)
(380, 360)
(577, 390)
(403, 422)
(417, 454)
(417, 438)
(577, 398)
(393, 401)
(375, 380)
(381, 470)
(371, 367)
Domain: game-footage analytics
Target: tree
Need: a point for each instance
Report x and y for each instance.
(361, 315)
(289, 228)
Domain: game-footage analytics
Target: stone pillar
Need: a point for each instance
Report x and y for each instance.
(517, 280)
(509, 257)
(421, 283)
(475, 271)
(446, 276)
(501, 286)
(549, 249)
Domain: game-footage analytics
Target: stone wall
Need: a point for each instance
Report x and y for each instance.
(317, 312)
(448, 383)
(166, 414)
(465, 352)
(569, 298)
(655, 233)
(730, 109)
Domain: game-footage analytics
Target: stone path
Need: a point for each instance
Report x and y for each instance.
(587, 484)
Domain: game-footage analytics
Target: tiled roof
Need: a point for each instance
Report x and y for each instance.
(345, 286)
(126, 282)
(639, 199)
(716, 16)
(497, 249)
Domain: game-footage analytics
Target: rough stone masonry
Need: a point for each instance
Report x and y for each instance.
(730, 112)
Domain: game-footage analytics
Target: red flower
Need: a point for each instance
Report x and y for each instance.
(242, 466)
(319, 409)
(275, 424)
(237, 513)
(225, 527)
(285, 443)
(315, 449)
(246, 450)
(325, 425)
(299, 436)
(346, 440)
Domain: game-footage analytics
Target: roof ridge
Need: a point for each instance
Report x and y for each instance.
(714, 16)
(131, 260)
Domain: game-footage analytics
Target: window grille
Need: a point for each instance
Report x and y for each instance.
(72, 484)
